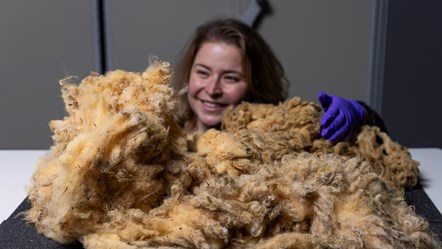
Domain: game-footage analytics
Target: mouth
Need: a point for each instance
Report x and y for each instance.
(210, 104)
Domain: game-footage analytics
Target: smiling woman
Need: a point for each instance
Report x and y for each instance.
(225, 62)
(216, 83)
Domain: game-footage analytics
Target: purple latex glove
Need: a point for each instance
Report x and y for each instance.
(341, 118)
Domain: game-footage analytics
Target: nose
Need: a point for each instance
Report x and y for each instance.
(213, 87)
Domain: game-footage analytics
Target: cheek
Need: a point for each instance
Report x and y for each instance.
(193, 86)
(191, 90)
(238, 93)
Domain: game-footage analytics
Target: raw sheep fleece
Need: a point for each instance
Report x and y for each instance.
(121, 174)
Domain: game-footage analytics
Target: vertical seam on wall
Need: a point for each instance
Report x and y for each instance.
(377, 54)
(102, 40)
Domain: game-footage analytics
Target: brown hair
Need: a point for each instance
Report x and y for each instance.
(263, 71)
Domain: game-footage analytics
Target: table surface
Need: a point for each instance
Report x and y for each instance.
(18, 166)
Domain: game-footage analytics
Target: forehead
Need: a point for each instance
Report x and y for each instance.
(218, 54)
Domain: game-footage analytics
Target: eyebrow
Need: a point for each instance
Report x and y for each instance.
(224, 71)
(201, 65)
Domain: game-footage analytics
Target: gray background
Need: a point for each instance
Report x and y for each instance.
(335, 46)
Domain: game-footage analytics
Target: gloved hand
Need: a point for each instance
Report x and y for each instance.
(341, 118)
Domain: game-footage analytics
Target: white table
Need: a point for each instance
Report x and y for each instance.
(17, 167)
(430, 172)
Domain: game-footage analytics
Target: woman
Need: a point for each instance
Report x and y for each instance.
(227, 62)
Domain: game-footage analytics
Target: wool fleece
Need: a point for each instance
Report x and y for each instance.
(121, 174)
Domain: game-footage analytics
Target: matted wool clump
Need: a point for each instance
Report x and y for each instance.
(121, 174)
(294, 126)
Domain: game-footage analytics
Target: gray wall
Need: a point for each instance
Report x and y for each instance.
(324, 45)
(41, 42)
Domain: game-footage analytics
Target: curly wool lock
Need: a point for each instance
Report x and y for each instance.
(121, 175)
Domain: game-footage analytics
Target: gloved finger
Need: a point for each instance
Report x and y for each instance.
(337, 124)
(325, 100)
(341, 133)
(328, 118)
(332, 112)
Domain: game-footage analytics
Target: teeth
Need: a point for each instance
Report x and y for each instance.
(211, 104)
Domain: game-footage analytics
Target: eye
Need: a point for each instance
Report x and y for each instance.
(202, 73)
(232, 78)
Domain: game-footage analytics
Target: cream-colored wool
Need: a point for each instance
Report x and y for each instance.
(121, 175)
(294, 126)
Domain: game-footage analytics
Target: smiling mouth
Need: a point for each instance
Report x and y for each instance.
(212, 104)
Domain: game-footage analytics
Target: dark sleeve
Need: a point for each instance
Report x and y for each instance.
(373, 118)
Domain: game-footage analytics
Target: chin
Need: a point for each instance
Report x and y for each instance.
(212, 123)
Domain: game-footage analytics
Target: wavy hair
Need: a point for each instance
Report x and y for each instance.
(263, 71)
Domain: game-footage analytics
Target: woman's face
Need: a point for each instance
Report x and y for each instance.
(216, 83)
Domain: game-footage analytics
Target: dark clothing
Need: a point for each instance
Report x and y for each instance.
(374, 119)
